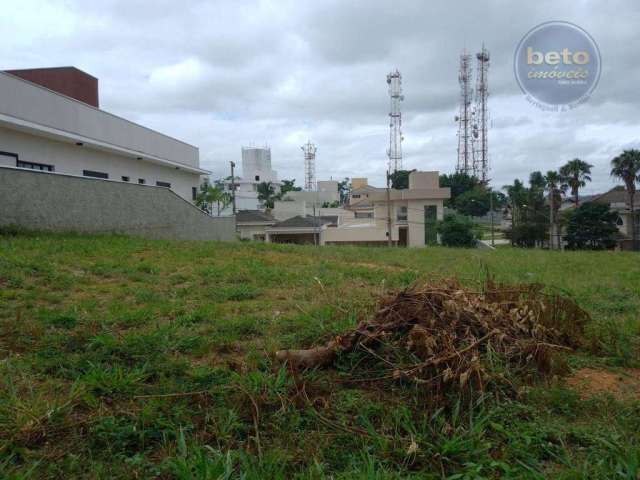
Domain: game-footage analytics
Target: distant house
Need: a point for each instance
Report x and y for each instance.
(252, 224)
(618, 201)
(301, 230)
(364, 221)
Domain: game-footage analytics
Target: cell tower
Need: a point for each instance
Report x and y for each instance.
(394, 80)
(465, 149)
(480, 126)
(309, 150)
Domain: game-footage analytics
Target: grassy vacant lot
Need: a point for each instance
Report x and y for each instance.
(128, 358)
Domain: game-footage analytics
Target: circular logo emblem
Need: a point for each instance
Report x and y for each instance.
(557, 65)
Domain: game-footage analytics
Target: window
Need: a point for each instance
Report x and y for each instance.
(257, 178)
(619, 222)
(91, 173)
(194, 193)
(355, 195)
(125, 179)
(35, 166)
(163, 184)
(9, 158)
(402, 214)
(142, 181)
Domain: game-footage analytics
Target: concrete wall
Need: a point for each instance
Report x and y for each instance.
(47, 201)
(71, 159)
(31, 103)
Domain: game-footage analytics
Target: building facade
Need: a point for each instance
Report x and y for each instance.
(46, 130)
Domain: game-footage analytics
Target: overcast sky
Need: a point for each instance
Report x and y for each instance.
(221, 75)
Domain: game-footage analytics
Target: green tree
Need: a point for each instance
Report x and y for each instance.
(576, 173)
(267, 194)
(344, 188)
(458, 183)
(457, 231)
(516, 199)
(474, 202)
(207, 196)
(400, 179)
(626, 167)
(556, 188)
(528, 217)
(592, 226)
(288, 186)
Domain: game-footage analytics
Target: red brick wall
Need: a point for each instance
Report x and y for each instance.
(68, 81)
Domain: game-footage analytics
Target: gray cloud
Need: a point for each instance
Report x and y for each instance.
(227, 73)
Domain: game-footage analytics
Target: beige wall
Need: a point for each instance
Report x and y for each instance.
(424, 180)
(366, 232)
(247, 232)
(357, 183)
(287, 209)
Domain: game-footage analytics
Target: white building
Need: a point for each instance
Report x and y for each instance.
(256, 169)
(45, 130)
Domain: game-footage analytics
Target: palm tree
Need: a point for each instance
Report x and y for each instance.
(626, 167)
(556, 188)
(266, 194)
(207, 196)
(576, 174)
(225, 200)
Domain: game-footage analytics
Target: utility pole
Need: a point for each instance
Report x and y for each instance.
(493, 239)
(389, 243)
(233, 187)
(551, 219)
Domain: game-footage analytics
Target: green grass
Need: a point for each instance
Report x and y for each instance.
(129, 358)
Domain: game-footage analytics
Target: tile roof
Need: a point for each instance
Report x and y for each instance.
(305, 222)
(254, 216)
(615, 195)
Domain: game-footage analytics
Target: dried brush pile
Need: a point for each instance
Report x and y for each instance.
(444, 335)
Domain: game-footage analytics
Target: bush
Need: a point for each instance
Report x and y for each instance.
(457, 231)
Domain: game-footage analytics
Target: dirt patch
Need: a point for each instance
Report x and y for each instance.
(590, 382)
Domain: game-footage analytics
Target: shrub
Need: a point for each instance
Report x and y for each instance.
(457, 231)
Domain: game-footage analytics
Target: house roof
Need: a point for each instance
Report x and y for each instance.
(615, 195)
(254, 216)
(306, 222)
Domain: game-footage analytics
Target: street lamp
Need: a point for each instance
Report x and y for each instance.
(493, 239)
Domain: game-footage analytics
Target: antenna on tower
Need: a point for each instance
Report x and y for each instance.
(309, 150)
(480, 126)
(465, 153)
(394, 80)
